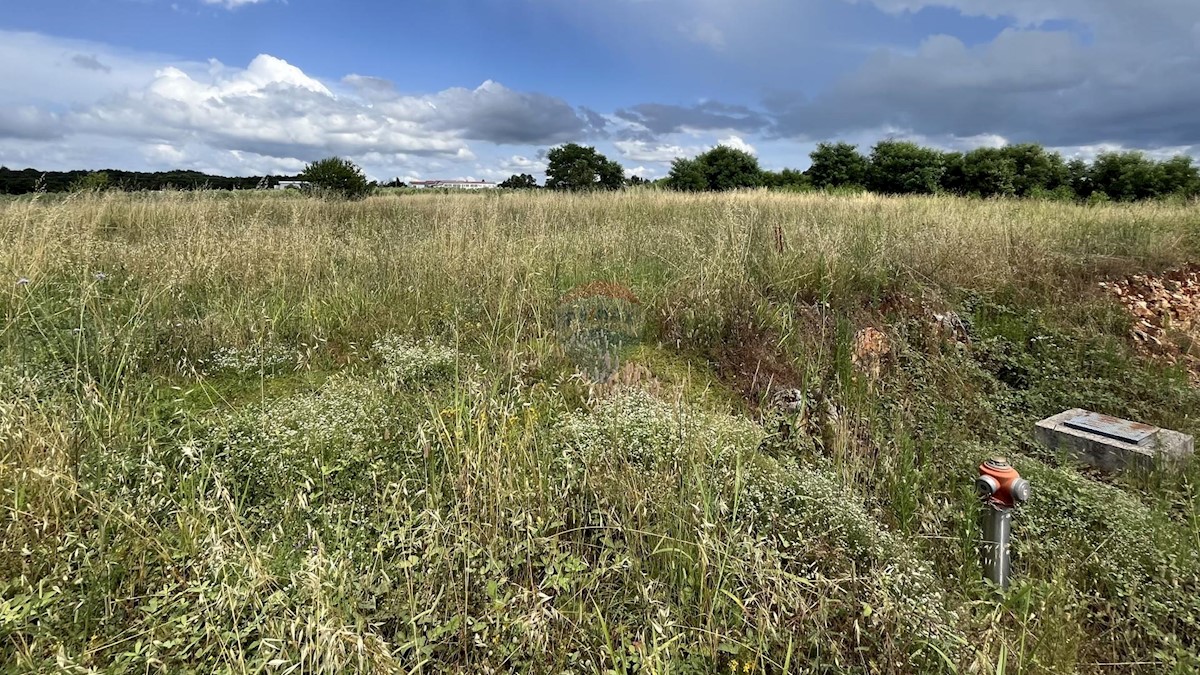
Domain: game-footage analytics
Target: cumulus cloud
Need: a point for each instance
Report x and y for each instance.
(643, 151)
(269, 108)
(29, 122)
(1074, 74)
(662, 118)
(737, 143)
(1108, 71)
(1026, 84)
(267, 114)
(1063, 72)
(495, 113)
(522, 164)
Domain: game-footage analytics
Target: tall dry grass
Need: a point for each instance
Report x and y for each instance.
(258, 432)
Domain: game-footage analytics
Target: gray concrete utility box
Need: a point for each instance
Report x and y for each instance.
(1111, 443)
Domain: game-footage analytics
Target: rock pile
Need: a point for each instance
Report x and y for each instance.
(1166, 312)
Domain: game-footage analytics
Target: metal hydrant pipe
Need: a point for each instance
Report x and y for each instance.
(997, 528)
(1000, 488)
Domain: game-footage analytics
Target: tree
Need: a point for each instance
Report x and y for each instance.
(97, 181)
(787, 179)
(578, 167)
(837, 165)
(1125, 176)
(727, 168)
(520, 182)
(1079, 178)
(338, 176)
(1036, 170)
(686, 175)
(987, 172)
(901, 167)
(1178, 176)
(635, 180)
(719, 169)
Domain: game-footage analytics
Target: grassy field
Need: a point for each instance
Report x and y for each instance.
(263, 433)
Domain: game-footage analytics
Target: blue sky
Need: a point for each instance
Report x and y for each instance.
(481, 88)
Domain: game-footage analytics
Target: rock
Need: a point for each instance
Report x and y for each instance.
(871, 347)
(790, 401)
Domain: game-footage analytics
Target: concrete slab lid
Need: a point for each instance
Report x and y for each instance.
(1108, 426)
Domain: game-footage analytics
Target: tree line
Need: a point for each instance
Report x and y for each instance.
(892, 167)
(24, 181)
(901, 167)
(898, 168)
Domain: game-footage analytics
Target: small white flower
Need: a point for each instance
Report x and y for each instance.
(100, 276)
(23, 281)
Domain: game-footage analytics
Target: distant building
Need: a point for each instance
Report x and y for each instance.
(454, 184)
(292, 185)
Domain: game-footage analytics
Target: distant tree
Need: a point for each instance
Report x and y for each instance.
(727, 168)
(787, 179)
(1036, 169)
(837, 165)
(954, 179)
(1079, 178)
(395, 183)
(337, 176)
(686, 175)
(29, 180)
(1125, 176)
(1178, 176)
(901, 167)
(522, 181)
(634, 181)
(92, 182)
(578, 167)
(986, 172)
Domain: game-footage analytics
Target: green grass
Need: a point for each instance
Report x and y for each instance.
(264, 433)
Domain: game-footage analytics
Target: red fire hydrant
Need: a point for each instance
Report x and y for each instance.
(1000, 488)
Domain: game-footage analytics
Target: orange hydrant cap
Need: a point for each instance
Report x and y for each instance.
(1005, 477)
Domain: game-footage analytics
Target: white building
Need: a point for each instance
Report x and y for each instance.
(292, 185)
(454, 184)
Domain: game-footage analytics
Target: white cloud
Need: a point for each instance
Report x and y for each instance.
(737, 143)
(643, 151)
(522, 164)
(269, 114)
(232, 4)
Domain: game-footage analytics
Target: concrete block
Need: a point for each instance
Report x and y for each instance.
(1111, 443)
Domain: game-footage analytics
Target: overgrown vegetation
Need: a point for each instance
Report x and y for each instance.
(263, 433)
